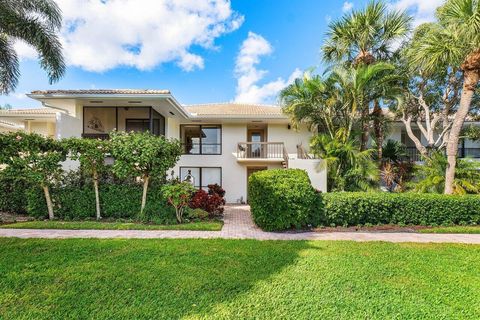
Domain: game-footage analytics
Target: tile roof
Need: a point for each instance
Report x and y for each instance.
(234, 109)
(101, 91)
(28, 111)
(7, 124)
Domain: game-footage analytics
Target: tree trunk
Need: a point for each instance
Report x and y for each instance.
(179, 212)
(145, 189)
(97, 195)
(377, 125)
(469, 86)
(46, 191)
(365, 128)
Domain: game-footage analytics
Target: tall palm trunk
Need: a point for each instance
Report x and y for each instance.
(377, 127)
(97, 195)
(469, 85)
(365, 128)
(46, 191)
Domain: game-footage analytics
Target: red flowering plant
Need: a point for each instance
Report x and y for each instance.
(211, 201)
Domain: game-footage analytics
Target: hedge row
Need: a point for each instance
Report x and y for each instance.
(284, 199)
(116, 201)
(12, 195)
(352, 208)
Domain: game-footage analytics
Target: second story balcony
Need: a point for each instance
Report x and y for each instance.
(261, 151)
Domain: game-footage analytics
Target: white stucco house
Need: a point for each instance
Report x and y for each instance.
(222, 142)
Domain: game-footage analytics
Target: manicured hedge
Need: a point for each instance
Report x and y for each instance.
(12, 195)
(116, 201)
(355, 208)
(283, 199)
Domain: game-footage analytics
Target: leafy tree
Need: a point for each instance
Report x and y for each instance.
(35, 157)
(349, 169)
(364, 37)
(6, 106)
(144, 155)
(178, 195)
(91, 153)
(431, 176)
(35, 22)
(454, 40)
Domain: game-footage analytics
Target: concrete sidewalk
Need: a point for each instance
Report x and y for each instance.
(239, 225)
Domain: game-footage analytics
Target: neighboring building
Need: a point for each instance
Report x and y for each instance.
(223, 142)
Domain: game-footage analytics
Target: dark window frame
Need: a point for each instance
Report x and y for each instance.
(151, 111)
(149, 123)
(200, 172)
(201, 153)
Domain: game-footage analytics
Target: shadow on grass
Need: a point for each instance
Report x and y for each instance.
(126, 279)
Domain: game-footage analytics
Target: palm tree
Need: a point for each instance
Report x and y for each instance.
(455, 40)
(36, 23)
(364, 37)
(331, 104)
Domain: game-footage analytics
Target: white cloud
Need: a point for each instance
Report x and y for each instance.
(248, 76)
(100, 35)
(422, 10)
(347, 6)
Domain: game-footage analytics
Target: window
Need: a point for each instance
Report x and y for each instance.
(201, 139)
(202, 176)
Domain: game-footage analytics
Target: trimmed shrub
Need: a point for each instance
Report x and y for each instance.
(117, 202)
(283, 199)
(12, 194)
(358, 208)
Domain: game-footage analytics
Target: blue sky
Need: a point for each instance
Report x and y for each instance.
(240, 51)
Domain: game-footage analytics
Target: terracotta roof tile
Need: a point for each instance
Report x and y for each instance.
(101, 91)
(234, 109)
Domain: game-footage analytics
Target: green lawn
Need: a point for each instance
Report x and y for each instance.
(453, 229)
(236, 279)
(88, 225)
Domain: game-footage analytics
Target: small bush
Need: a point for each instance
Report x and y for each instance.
(211, 201)
(283, 199)
(355, 208)
(197, 214)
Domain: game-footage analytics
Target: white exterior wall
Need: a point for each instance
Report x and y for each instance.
(234, 174)
(291, 138)
(68, 126)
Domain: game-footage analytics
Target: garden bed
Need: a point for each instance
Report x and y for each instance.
(212, 225)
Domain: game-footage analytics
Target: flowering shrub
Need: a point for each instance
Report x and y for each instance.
(178, 195)
(211, 201)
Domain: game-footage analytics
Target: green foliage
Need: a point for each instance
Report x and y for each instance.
(12, 193)
(363, 36)
(32, 156)
(142, 154)
(37, 23)
(90, 152)
(117, 202)
(348, 168)
(178, 195)
(394, 151)
(282, 199)
(198, 214)
(430, 177)
(351, 208)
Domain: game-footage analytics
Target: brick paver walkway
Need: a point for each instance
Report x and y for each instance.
(239, 225)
